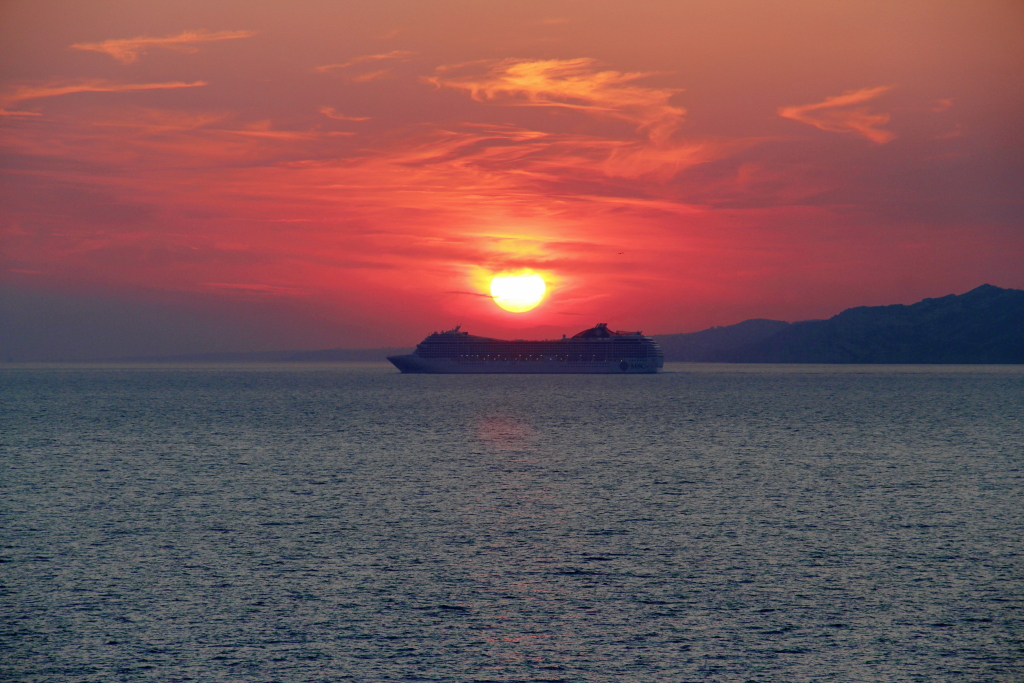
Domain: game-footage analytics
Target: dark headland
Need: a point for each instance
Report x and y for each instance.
(985, 325)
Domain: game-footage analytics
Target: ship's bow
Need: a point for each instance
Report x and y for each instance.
(407, 363)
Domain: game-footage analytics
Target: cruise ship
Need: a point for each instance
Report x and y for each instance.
(597, 350)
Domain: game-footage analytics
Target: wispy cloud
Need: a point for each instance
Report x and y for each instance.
(581, 85)
(333, 113)
(4, 112)
(127, 50)
(371, 76)
(33, 92)
(264, 131)
(837, 114)
(574, 84)
(252, 288)
(402, 55)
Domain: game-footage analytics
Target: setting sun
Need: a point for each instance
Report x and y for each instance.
(518, 293)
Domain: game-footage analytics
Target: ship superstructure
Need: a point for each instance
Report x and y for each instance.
(597, 350)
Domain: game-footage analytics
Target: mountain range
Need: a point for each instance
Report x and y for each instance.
(985, 325)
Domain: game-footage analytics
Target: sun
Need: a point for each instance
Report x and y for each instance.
(519, 292)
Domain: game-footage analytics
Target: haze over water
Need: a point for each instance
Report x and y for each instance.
(328, 523)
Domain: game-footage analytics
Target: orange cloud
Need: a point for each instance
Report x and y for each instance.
(4, 112)
(333, 113)
(33, 92)
(127, 50)
(263, 129)
(371, 76)
(394, 54)
(579, 85)
(834, 114)
(575, 84)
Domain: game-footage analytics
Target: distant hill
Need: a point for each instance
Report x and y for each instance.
(985, 325)
(710, 344)
(350, 354)
(325, 355)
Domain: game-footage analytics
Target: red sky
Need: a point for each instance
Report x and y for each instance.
(302, 174)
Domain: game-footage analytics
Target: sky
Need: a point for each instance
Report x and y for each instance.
(183, 177)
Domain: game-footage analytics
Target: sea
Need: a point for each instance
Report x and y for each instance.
(344, 522)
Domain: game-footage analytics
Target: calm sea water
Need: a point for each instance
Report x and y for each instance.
(348, 523)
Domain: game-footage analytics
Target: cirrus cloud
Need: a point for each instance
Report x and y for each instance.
(34, 92)
(835, 114)
(402, 55)
(127, 50)
(4, 112)
(574, 84)
(582, 86)
(333, 113)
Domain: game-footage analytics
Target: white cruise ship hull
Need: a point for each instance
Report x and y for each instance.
(414, 363)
